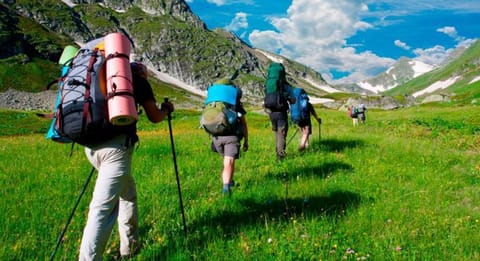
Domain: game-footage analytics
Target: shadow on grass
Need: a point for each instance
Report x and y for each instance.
(335, 145)
(322, 171)
(239, 215)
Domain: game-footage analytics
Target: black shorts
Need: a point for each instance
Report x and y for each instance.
(227, 146)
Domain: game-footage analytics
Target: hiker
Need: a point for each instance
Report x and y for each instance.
(353, 113)
(226, 141)
(361, 112)
(305, 126)
(115, 196)
(279, 120)
(276, 102)
(300, 112)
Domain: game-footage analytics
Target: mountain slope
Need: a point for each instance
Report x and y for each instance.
(457, 79)
(165, 35)
(402, 71)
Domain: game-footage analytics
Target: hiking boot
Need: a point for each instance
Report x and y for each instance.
(226, 191)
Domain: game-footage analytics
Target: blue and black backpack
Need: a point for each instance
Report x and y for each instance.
(299, 110)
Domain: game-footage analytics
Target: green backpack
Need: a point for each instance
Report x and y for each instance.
(275, 88)
(219, 116)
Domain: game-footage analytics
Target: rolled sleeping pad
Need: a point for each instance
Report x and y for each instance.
(121, 103)
(221, 93)
(67, 55)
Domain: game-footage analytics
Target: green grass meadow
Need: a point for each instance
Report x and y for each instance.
(404, 186)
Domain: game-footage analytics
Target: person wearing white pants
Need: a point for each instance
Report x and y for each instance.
(115, 196)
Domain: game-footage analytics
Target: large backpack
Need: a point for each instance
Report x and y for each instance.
(81, 113)
(354, 112)
(299, 110)
(275, 88)
(219, 116)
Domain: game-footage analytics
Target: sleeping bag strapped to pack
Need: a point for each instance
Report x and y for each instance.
(299, 110)
(219, 116)
(275, 88)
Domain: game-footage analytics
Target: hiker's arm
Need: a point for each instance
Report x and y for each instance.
(154, 114)
(316, 116)
(245, 132)
(314, 113)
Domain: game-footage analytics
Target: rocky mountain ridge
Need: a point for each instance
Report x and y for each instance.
(401, 72)
(165, 35)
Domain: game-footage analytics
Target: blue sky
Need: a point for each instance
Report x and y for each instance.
(347, 40)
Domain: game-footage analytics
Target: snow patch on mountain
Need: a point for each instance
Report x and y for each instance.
(270, 56)
(476, 79)
(69, 3)
(172, 80)
(438, 85)
(322, 87)
(420, 68)
(374, 88)
(402, 71)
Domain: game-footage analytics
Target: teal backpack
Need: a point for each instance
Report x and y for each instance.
(275, 88)
(355, 111)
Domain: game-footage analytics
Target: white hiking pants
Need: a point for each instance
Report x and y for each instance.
(114, 196)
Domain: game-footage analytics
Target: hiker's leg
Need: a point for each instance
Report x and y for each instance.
(128, 219)
(281, 132)
(304, 139)
(113, 165)
(309, 132)
(228, 170)
(281, 141)
(229, 148)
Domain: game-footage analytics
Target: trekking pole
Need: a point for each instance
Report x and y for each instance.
(291, 138)
(60, 237)
(176, 169)
(319, 130)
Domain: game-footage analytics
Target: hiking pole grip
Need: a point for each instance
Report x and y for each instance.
(176, 168)
(165, 100)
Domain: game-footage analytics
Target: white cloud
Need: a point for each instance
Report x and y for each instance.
(448, 30)
(402, 45)
(314, 33)
(437, 54)
(216, 2)
(395, 7)
(238, 22)
(434, 55)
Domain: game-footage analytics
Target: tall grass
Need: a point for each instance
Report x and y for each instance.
(402, 187)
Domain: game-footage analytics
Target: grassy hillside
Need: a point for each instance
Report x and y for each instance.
(28, 53)
(405, 186)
